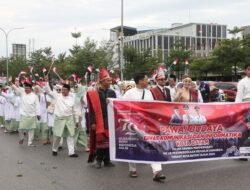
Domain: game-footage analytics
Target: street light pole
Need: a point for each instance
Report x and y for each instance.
(122, 42)
(6, 33)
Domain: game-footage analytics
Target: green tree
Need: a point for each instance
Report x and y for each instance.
(138, 62)
(179, 52)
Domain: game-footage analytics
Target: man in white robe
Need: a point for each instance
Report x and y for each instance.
(29, 111)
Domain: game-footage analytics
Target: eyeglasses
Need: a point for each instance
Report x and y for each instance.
(59, 90)
(162, 79)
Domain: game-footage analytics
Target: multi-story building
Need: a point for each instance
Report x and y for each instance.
(199, 37)
(245, 32)
(19, 50)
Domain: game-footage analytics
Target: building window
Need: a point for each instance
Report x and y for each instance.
(198, 32)
(166, 42)
(188, 45)
(204, 44)
(209, 28)
(171, 40)
(160, 42)
(218, 31)
(198, 44)
(214, 31)
(204, 30)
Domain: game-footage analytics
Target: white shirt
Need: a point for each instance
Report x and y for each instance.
(173, 92)
(243, 89)
(43, 108)
(136, 94)
(64, 105)
(29, 105)
(2, 103)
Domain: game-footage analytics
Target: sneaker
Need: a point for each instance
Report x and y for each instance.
(1, 126)
(133, 174)
(73, 155)
(54, 153)
(31, 145)
(5, 131)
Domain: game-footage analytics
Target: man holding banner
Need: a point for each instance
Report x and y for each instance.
(243, 92)
(140, 92)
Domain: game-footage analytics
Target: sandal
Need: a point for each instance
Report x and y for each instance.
(133, 174)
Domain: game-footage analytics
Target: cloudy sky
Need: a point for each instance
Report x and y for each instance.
(50, 22)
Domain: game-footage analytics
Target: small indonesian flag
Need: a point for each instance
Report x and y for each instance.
(90, 68)
(186, 62)
(21, 73)
(44, 70)
(79, 79)
(31, 68)
(176, 61)
(117, 79)
(74, 76)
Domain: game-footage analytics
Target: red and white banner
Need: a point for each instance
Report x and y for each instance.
(149, 132)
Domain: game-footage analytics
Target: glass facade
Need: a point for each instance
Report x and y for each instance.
(202, 42)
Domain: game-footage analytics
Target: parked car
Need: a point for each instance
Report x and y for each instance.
(229, 89)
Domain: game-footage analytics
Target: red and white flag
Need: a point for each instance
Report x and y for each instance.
(21, 73)
(175, 61)
(186, 62)
(79, 79)
(74, 76)
(117, 79)
(44, 70)
(31, 68)
(90, 68)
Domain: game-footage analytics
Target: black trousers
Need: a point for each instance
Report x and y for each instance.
(102, 154)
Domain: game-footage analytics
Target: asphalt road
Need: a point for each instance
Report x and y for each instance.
(34, 168)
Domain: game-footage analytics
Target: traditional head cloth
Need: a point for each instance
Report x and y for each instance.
(104, 74)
